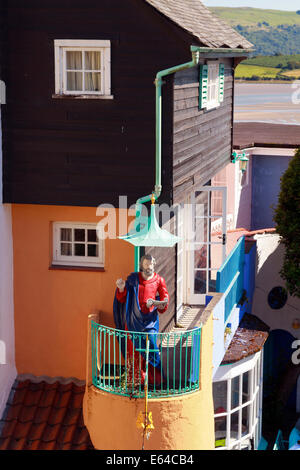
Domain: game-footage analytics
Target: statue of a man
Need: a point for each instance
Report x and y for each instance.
(136, 309)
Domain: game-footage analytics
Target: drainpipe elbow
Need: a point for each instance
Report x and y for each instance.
(157, 190)
(196, 57)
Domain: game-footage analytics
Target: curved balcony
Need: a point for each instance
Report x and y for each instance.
(122, 362)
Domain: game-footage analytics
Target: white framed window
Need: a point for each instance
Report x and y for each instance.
(211, 85)
(237, 393)
(82, 67)
(77, 244)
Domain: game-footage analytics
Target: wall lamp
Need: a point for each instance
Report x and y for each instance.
(242, 158)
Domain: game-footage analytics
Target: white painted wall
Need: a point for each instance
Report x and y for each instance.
(7, 346)
(269, 262)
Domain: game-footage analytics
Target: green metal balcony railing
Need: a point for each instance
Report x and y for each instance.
(118, 367)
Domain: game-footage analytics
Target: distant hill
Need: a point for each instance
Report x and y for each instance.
(271, 31)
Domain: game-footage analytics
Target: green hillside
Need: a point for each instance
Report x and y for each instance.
(252, 16)
(271, 31)
(279, 67)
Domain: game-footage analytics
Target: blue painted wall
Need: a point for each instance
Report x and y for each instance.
(266, 174)
(249, 278)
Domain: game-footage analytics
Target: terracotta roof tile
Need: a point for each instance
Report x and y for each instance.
(4, 443)
(47, 445)
(22, 429)
(44, 415)
(57, 415)
(36, 431)
(248, 339)
(51, 432)
(8, 428)
(257, 134)
(17, 444)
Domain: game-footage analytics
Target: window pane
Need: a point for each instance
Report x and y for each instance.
(79, 234)
(92, 236)
(92, 81)
(79, 249)
(74, 81)
(74, 60)
(235, 388)
(200, 229)
(246, 395)
(92, 60)
(66, 249)
(200, 256)
(201, 203)
(66, 234)
(245, 420)
(234, 427)
(220, 431)
(220, 396)
(92, 250)
(200, 282)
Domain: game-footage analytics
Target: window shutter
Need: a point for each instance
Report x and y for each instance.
(203, 86)
(221, 82)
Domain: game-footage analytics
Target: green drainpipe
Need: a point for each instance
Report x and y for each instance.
(158, 144)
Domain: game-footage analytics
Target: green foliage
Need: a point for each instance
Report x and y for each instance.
(246, 16)
(283, 39)
(270, 31)
(277, 60)
(287, 220)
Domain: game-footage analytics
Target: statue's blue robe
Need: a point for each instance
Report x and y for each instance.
(129, 314)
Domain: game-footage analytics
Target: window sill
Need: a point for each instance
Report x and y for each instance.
(63, 267)
(212, 106)
(83, 97)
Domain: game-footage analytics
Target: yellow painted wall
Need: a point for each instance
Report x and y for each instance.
(51, 306)
(181, 423)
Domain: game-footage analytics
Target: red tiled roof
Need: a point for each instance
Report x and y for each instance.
(257, 134)
(41, 415)
(248, 339)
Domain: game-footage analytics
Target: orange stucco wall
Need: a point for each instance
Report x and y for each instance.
(51, 306)
(181, 423)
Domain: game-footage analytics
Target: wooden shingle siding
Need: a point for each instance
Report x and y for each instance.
(86, 152)
(165, 266)
(202, 138)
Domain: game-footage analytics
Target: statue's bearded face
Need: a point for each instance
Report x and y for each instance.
(148, 267)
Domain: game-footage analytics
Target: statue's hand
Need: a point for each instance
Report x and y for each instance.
(120, 283)
(150, 303)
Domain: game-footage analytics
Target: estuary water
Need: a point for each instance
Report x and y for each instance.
(270, 102)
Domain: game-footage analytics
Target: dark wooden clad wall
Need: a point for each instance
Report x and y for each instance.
(86, 152)
(165, 266)
(202, 139)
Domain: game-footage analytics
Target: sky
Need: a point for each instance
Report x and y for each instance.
(292, 5)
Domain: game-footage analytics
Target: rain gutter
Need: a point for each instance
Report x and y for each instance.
(158, 138)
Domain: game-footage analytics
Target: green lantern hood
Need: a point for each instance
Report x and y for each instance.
(152, 235)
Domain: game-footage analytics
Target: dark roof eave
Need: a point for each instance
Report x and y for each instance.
(221, 51)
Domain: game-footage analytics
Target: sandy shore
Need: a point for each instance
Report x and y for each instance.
(277, 114)
(279, 104)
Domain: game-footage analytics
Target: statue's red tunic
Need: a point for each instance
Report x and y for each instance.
(148, 289)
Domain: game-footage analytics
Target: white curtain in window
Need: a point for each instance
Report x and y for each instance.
(83, 70)
(92, 63)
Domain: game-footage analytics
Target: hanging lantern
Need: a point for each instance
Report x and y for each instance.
(154, 236)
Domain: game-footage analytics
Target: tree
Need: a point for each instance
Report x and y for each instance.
(287, 220)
